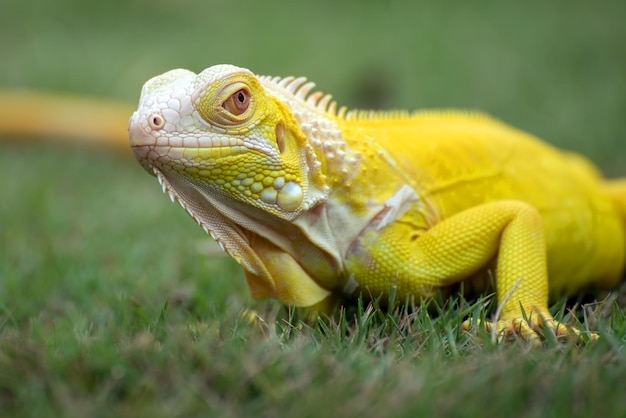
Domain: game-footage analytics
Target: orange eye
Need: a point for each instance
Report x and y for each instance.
(238, 103)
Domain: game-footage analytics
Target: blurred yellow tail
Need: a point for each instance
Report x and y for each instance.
(28, 114)
(616, 189)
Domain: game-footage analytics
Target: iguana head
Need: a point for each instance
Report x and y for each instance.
(222, 132)
(274, 173)
(234, 155)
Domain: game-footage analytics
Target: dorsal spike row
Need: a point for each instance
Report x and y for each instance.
(286, 82)
(325, 101)
(300, 87)
(304, 90)
(332, 108)
(314, 98)
(295, 85)
(357, 114)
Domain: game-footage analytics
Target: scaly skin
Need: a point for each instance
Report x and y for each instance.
(315, 202)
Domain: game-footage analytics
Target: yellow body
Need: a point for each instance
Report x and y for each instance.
(315, 202)
(493, 197)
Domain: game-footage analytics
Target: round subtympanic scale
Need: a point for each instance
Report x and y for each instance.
(290, 196)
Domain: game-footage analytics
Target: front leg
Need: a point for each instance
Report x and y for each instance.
(456, 249)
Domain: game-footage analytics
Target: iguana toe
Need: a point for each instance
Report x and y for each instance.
(530, 329)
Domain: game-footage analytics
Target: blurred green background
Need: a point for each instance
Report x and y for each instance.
(112, 302)
(556, 69)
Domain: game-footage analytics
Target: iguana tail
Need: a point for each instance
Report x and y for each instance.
(26, 114)
(616, 190)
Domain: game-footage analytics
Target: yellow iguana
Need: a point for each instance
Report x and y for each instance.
(316, 202)
(319, 204)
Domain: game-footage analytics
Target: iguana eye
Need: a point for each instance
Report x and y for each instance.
(238, 102)
(227, 103)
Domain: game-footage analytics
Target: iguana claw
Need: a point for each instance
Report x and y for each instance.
(529, 329)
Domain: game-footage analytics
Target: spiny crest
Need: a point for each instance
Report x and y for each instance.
(300, 88)
(476, 115)
(357, 114)
(400, 115)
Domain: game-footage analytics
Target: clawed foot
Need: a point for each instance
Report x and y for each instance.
(529, 329)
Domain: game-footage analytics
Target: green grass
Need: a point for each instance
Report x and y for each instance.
(109, 304)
